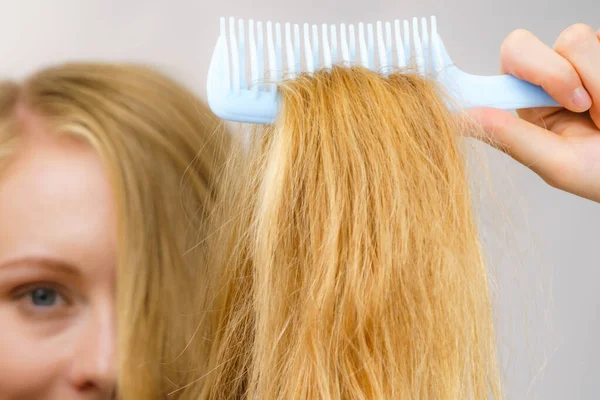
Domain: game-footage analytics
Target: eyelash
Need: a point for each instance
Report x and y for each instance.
(23, 295)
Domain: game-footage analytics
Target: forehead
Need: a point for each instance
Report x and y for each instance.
(55, 197)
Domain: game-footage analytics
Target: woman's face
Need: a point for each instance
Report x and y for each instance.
(57, 271)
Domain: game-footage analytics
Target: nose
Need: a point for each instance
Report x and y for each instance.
(93, 364)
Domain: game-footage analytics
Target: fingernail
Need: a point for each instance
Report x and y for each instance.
(581, 99)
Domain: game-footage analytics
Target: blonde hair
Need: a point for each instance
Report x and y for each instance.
(162, 149)
(352, 267)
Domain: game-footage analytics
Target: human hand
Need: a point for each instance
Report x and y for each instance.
(561, 145)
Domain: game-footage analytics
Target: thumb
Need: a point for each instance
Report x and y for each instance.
(544, 152)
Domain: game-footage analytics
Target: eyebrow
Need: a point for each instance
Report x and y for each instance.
(54, 263)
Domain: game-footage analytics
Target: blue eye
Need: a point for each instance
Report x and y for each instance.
(43, 297)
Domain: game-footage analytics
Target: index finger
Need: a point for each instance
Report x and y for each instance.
(527, 57)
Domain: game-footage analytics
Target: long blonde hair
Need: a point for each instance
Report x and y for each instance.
(163, 150)
(352, 267)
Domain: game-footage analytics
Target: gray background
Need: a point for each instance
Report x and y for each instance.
(543, 244)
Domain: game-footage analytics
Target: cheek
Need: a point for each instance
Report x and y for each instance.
(30, 365)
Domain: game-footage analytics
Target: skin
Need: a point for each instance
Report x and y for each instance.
(57, 270)
(561, 145)
(58, 227)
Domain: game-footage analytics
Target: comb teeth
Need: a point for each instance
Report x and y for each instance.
(249, 61)
(388, 46)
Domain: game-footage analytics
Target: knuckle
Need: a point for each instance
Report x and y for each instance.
(574, 36)
(515, 40)
(518, 35)
(513, 46)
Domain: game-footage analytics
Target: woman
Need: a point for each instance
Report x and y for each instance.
(106, 178)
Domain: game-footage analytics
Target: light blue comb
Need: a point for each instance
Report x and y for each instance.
(238, 60)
